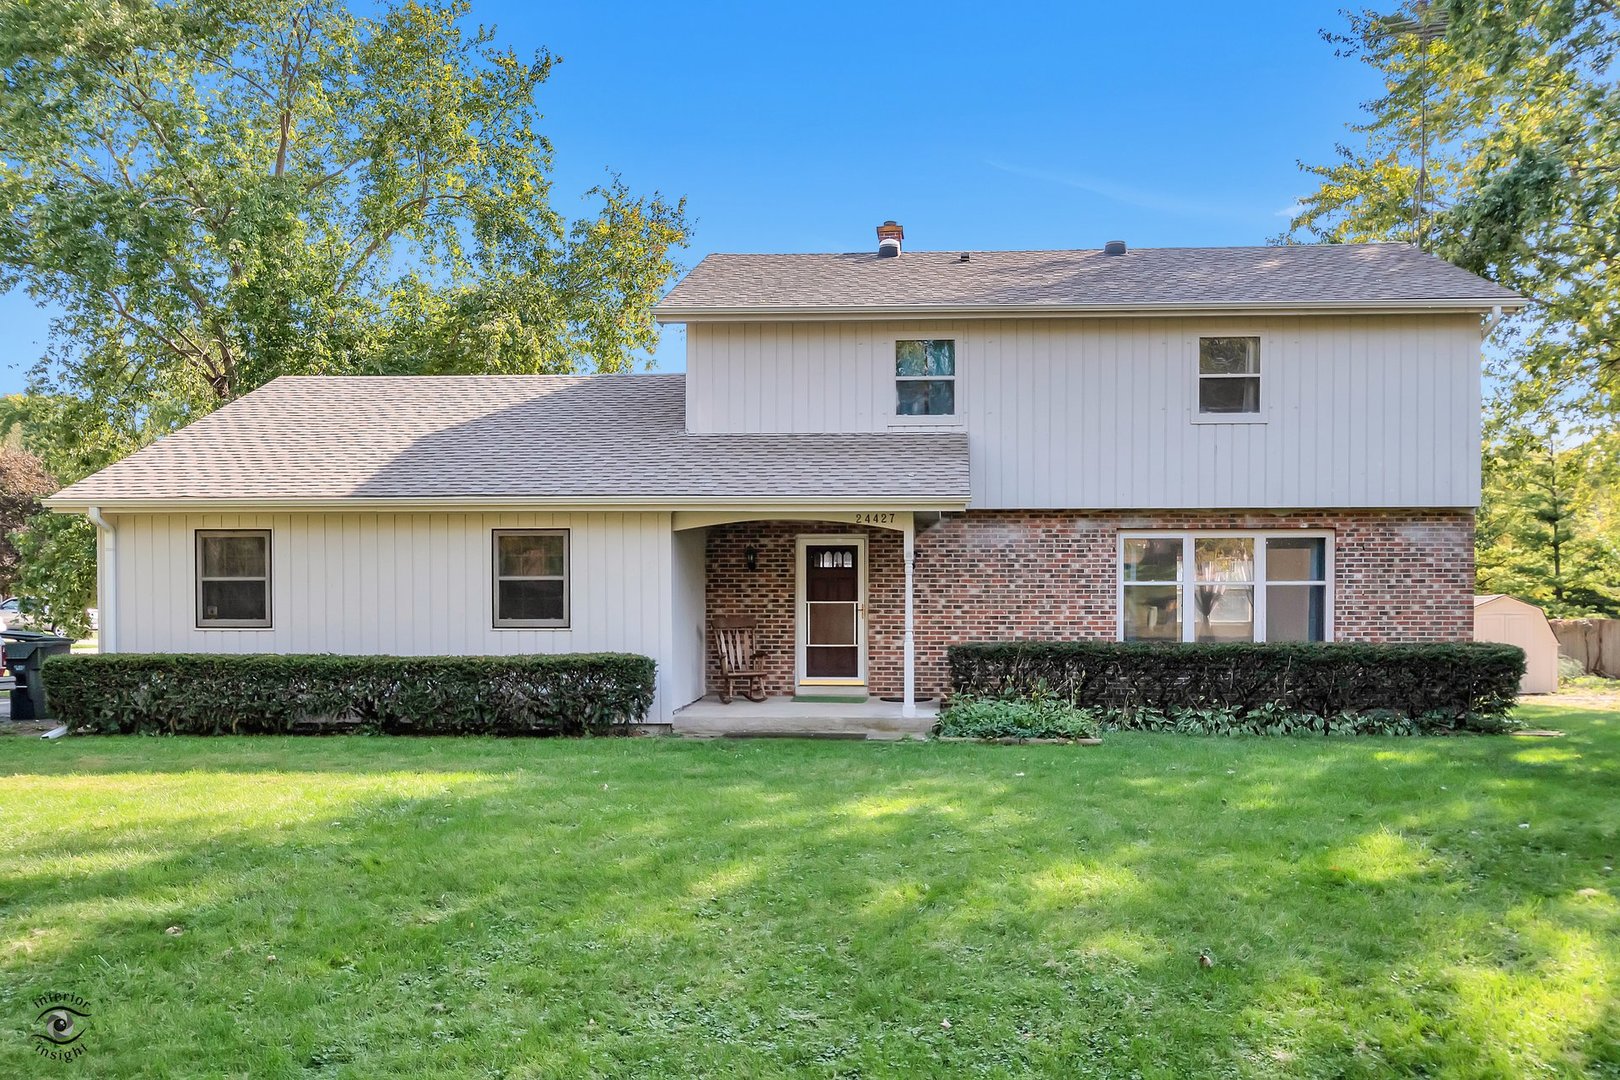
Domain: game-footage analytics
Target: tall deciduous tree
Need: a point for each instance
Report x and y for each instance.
(217, 192)
(1496, 144)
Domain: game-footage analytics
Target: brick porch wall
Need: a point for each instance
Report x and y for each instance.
(1399, 575)
(768, 595)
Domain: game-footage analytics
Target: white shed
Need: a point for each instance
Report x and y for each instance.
(1514, 622)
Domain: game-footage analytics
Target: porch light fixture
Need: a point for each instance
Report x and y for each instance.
(751, 557)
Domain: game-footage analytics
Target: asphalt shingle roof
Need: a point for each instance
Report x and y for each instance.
(1143, 278)
(511, 437)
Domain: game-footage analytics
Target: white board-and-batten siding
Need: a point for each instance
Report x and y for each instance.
(405, 584)
(1358, 411)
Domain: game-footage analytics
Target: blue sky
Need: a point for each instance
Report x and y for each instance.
(799, 127)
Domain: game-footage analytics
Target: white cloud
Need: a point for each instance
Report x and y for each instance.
(1129, 196)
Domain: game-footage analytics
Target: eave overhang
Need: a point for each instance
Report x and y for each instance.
(898, 501)
(676, 313)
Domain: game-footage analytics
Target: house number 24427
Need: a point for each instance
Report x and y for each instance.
(876, 518)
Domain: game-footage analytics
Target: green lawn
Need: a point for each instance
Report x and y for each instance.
(475, 908)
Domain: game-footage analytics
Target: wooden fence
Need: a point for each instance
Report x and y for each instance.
(1593, 642)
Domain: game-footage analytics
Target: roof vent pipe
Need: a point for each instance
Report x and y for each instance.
(1114, 247)
(889, 236)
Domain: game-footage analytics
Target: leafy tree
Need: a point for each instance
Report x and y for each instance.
(1496, 144)
(217, 192)
(57, 581)
(57, 553)
(1598, 492)
(23, 482)
(1537, 536)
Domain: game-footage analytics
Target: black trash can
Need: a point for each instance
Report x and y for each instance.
(26, 651)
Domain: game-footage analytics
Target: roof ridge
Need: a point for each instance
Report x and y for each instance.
(956, 251)
(481, 377)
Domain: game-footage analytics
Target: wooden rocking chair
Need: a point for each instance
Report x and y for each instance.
(739, 656)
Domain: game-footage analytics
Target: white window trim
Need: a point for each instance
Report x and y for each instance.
(266, 623)
(1200, 417)
(495, 579)
(1189, 626)
(953, 419)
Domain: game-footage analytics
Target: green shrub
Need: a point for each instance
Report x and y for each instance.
(1467, 686)
(1040, 717)
(570, 694)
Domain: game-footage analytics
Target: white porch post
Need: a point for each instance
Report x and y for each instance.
(909, 538)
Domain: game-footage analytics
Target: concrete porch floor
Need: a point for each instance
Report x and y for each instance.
(782, 716)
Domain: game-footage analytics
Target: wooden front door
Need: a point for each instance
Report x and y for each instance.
(831, 611)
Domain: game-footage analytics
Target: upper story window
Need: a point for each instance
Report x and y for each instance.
(925, 377)
(1229, 376)
(531, 578)
(1224, 586)
(233, 579)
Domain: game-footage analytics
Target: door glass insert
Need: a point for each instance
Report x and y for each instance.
(832, 588)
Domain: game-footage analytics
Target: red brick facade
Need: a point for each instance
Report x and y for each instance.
(1399, 575)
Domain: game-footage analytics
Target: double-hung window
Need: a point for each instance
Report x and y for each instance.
(531, 578)
(1228, 377)
(1150, 597)
(233, 579)
(925, 377)
(1224, 586)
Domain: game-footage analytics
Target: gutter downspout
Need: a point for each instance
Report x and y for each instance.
(106, 582)
(1491, 323)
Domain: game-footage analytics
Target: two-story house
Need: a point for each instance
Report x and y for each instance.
(873, 455)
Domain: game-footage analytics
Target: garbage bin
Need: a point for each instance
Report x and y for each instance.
(26, 651)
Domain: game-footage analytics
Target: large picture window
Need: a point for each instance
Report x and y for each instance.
(531, 578)
(925, 378)
(1224, 586)
(233, 579)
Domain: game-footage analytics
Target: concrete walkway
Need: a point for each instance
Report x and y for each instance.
(782, 716)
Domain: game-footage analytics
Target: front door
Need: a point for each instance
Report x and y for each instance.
(830, 612)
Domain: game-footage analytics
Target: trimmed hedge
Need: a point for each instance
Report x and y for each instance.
(1431, 687)
(569, 694)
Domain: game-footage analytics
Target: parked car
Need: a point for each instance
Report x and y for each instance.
(11, 613)
(13, 617)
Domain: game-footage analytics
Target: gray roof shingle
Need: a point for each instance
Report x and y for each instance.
(540, 437)
(1143, 278)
